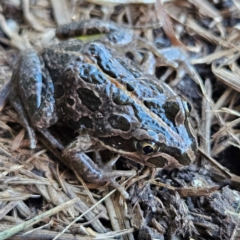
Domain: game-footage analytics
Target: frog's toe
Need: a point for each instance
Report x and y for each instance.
(120, 188)
(111, 177)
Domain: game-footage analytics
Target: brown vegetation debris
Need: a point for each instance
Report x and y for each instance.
(41, 198)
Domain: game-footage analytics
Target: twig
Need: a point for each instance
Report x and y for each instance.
(10, 232)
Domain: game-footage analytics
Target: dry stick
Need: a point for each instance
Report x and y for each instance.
(10, 232)
(223, 100)
(117, 215)
(215, 163)
(61, 11)
(44, 234)
(30, 18)
(114, 219)
(79, 217)
(8, 208)
(207, 9)
(15, 40)
(206, 116)
(234, 178)
(83, 214)
(4, 94)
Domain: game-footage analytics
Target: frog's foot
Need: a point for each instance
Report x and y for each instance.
(111, 175)
(84, 166)
(15, 101)
(111, 178)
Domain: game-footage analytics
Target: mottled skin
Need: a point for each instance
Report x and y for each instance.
(111, 102)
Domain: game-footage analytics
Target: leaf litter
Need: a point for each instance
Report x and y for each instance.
(40, 197)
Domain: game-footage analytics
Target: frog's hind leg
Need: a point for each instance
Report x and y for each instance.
(85, 28)
(16, 102)
(32, 93)
(36, 90)
(115, 34)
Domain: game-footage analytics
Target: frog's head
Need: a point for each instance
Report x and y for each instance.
(167, 139)
(154, 130)
(177, 146)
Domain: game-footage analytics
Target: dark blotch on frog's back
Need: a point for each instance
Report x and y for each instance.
(59, 91)
(120, 143)
(93, 30)
(70, 101)
(120, 98)
(163, 110)
(89, 99)
(119, 122)
(130, 87)
(171, 110)
(83, 121)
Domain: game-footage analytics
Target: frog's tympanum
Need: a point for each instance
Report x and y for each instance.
(92, 86)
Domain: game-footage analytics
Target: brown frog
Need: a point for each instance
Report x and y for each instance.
(113, 104)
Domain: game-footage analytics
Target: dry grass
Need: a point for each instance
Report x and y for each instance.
(39, 198)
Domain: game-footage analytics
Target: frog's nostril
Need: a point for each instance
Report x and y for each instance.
(119, 122)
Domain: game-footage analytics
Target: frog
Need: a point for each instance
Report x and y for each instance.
(107, 98)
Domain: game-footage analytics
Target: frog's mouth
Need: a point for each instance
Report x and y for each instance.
(161, 159)
(166, 160)
(155, 155)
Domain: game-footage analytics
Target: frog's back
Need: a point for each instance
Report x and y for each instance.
(114, 100)
(92, 79)
(58, 56)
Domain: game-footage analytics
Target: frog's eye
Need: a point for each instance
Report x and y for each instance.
(187, 107)
(147, 147)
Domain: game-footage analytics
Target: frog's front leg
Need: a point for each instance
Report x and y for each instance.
(76, 159)
(32, 93)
